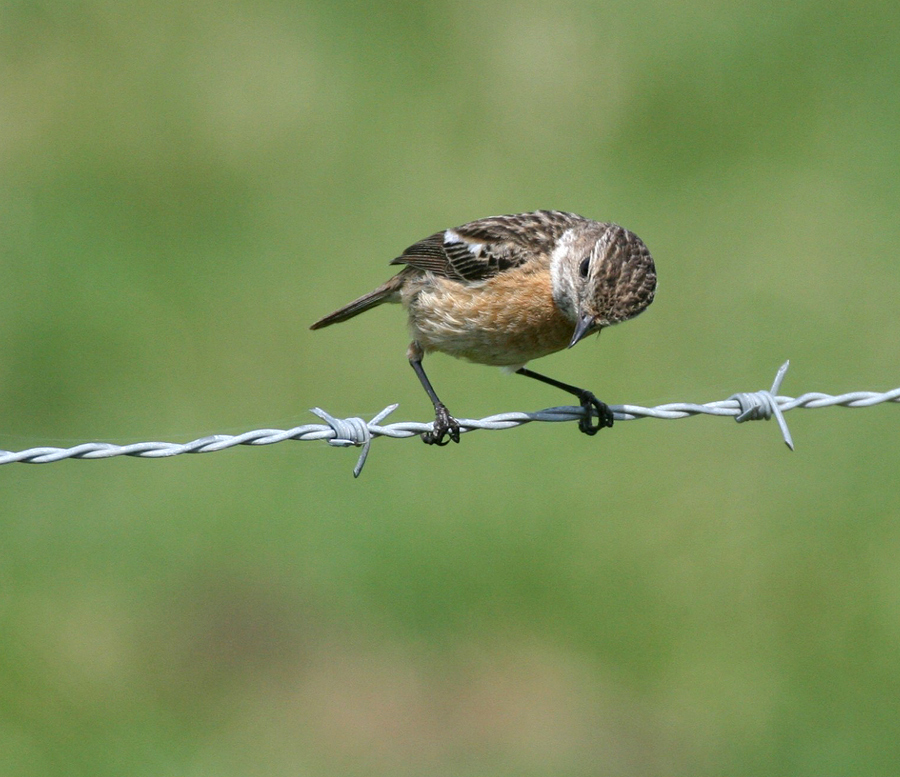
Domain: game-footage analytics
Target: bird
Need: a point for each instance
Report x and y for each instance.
(505, 290)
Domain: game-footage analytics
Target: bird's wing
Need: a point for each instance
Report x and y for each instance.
(483, 248)
(463, 258)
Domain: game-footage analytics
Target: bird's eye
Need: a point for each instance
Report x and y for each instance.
(584, 266)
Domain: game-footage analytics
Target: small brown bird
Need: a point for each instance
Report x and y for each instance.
(507, 289)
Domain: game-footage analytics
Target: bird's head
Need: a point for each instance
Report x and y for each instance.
(602, 274)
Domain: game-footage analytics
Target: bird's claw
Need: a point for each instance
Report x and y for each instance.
(445, 425)
(590, 403)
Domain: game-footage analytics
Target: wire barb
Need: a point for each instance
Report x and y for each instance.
(762, 405)
(353, 431)
(346, 432)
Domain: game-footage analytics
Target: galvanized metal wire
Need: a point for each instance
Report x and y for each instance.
(345, 432)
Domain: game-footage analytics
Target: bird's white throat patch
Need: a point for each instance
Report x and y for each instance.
(560, 274)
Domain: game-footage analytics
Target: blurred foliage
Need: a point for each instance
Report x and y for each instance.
(185, 187)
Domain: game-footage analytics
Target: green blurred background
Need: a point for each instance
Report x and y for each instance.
(184, 188)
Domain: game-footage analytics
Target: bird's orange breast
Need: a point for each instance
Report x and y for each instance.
(504, 321)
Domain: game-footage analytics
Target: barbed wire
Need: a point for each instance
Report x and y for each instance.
(345, 432)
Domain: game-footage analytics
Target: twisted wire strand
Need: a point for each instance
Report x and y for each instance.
(759, 405)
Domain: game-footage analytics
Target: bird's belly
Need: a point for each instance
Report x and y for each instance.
(505, 321)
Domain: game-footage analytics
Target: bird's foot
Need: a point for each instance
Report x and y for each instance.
(590, 403)
(445, 425)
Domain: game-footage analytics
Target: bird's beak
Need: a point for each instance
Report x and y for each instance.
(585, 324)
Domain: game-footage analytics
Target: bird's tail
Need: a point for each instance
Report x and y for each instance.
(387, 292)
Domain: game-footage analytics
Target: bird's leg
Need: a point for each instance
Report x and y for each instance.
(588, 401)
(444, 423)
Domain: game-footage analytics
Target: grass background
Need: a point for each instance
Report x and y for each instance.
(185, 187)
